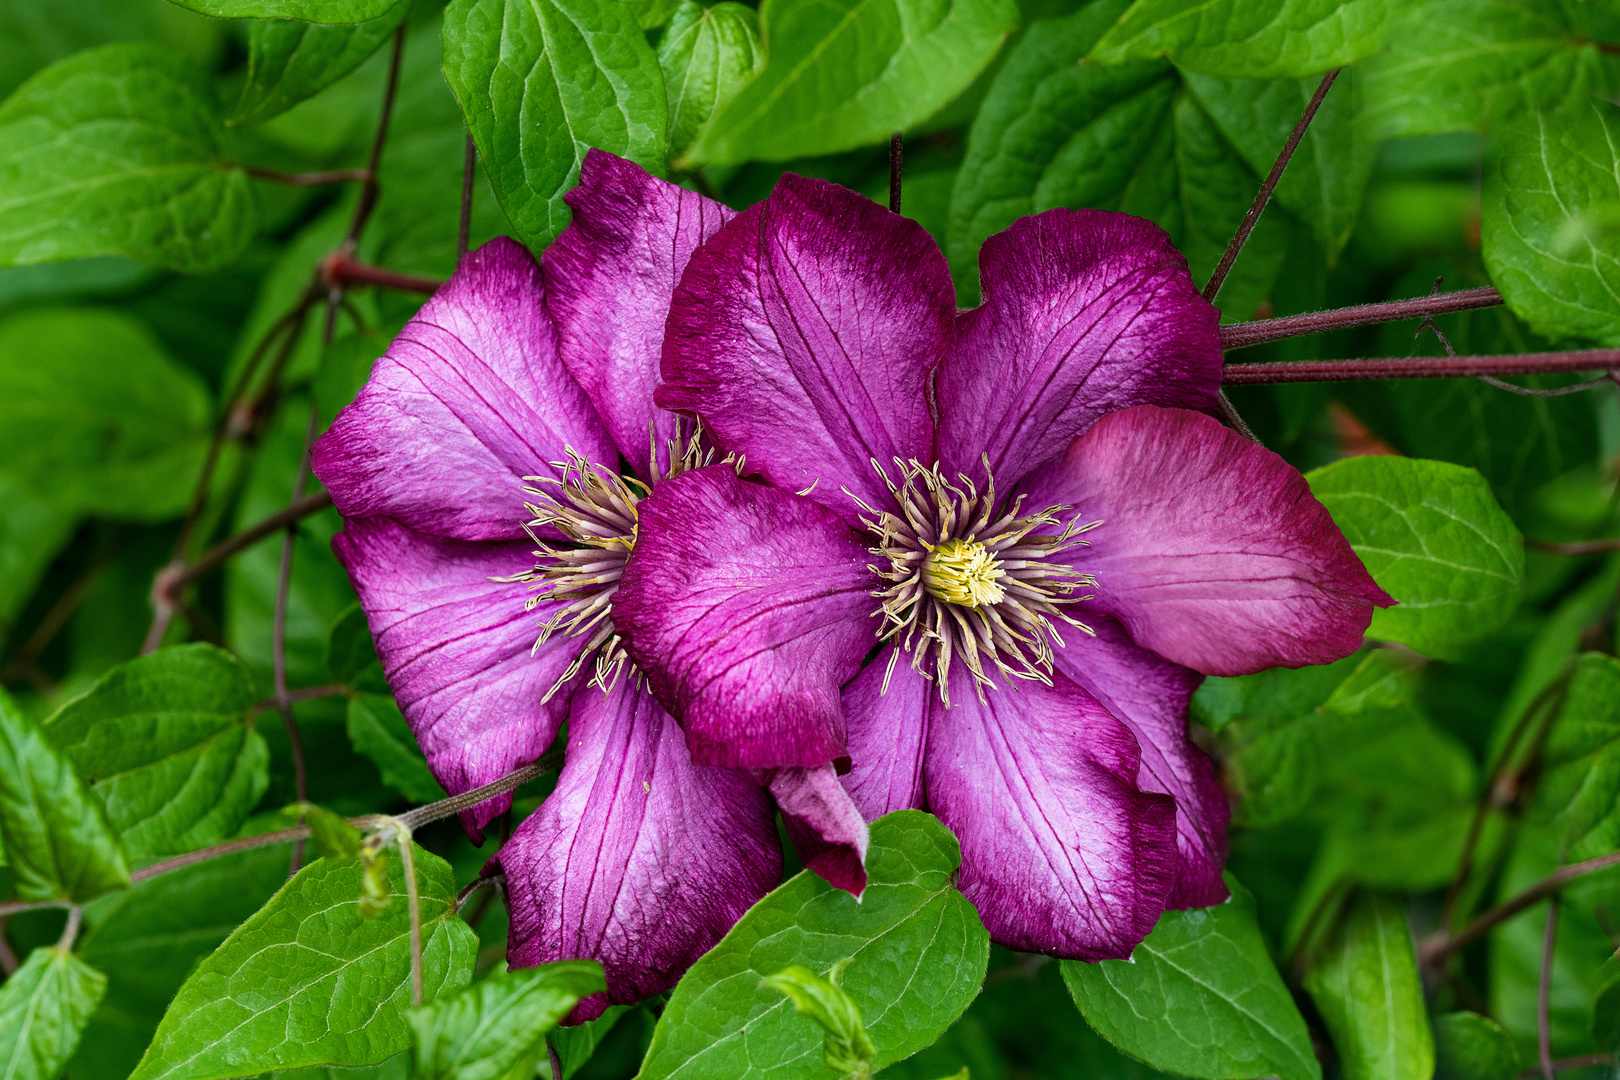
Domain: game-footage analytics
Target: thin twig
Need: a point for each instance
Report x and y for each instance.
(170, 582)
(8, 959)
(1442, 944)
(1242, 335)
(12, 907)
(1544, 992)
(70, 932)
(1574, 547)
(340, 269)
(229, 847)
(368, 193)
(1263, 196)
(1556, 391)
(308, 693)
(309, 179)
(415, 819)
(469, 165)
(1580, 1062)
(1420, 367)
(556, 1064)
(897, 153)
(407, 858)
(60, 612)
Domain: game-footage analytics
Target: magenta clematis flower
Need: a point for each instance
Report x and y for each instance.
(1028, 504)
(496, 423)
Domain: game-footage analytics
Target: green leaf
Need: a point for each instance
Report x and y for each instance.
(1363, 978)
(148, 938)
(379, 731)
(1053, 132)
(575, 1045)
(44, 1006)
(1327, 177)
(651, 14)
(1468, 1046)
(289, 61)
(845, 1046)
(120, 440)
(1453, 65)
(843, 73)
(350, 652)
(1606, 1004)
(31, 532)
(1249, 39)
(918, 955)
(59, 844)
(309, 980)
(540, 82)
(316, 11)
(334, 837)
(497, 1028)
(1550, 216)
(120, 151)
(706, 55)
(1433, 536)
(1580, 784)
(166, 743)
(1199, 997)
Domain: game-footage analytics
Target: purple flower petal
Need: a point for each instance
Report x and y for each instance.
(1062, 853)
(639, 859)
(1212, 550)
(1085, 312)
(746, 607)
(888, 739)
(469, 399)
(828, 831)
(456, 648)
(803, 333)
(609, 278)
(1151, 695)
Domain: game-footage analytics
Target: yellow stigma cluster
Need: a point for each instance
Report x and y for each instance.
(963, 572)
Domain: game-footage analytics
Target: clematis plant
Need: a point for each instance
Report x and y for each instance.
(487, 522)
(1027, 505)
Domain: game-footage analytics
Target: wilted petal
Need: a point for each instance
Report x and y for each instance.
(747, 608)
(1085, 312)
(456, 648)
(1151, 695)
(639, 859)
(1062, 853)
(609, 278)
(469, 399)
(802, 334)
(827, 829)
(1212, 550)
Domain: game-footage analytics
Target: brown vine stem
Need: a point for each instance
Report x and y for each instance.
(897, 153)
(309, 179)
(70, 932)
(1263, 196)
(1581, 1062)
(1574, 547)
(1441, 944)
(341, 269)
(368, 193)
(166, 589)
(1242, 335)
(407, 858)
(1421, 367)
(1544, 992)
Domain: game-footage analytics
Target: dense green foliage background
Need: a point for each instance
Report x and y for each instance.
(152, 248)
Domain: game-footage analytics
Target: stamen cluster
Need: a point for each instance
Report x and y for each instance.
(594, 508)
(972, 579)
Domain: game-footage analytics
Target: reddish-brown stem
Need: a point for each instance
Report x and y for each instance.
(368, 193)
(1421, 367)
(1263, 196)
(308, 693)
(1242, 335)
(897, 153)
(230, 847)
(469, 165)
(1544, 992)
(1574, 547)
(1581, 1062)
(170, 581)
(341, 269)
(309, 179)
(1442, 944)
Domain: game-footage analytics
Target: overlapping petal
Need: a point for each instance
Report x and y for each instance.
(827, 828)
(1151, 695)
(747, 607)
(609, 278)
(1212, 550)
(469, 399)
(1062, 852)
(803, 334)
(456, 647)
(1085, 312)
(639, 859)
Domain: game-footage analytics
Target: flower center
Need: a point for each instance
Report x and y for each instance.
(963, 572)
(972, 579)
(594, 508)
